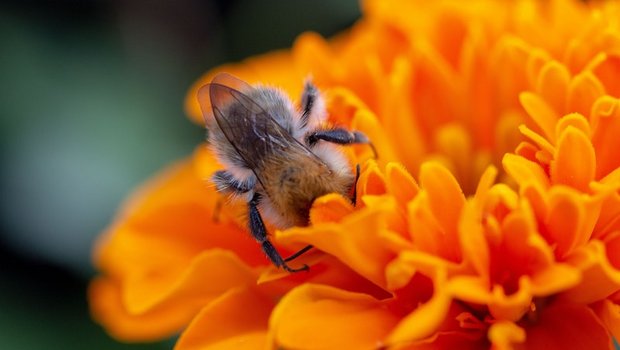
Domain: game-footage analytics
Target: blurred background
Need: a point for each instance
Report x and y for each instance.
(91, 106)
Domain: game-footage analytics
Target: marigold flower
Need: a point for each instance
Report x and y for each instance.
(506, 113)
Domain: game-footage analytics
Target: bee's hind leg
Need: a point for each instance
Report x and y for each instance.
(257, 227)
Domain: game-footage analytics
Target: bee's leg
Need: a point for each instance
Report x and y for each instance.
(225, 182)
(357, 177)
(308, 99)
(257, 227)
(340, 136)
(300, 252)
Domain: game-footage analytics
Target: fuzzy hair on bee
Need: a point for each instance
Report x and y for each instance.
(276, 157)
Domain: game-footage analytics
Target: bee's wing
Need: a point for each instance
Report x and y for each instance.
(224, 79)
(252, 132)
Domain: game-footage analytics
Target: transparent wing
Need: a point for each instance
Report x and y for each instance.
(251, 131)
(224, 79)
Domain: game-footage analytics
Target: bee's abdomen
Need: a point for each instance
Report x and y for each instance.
(295, 185)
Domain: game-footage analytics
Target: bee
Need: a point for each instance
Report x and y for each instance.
(277, 158)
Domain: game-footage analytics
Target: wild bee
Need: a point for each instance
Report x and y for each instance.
(278, 158)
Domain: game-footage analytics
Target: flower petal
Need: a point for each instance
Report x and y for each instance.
(607, 67)
(446, 199)
(574, 161)
(566, 326)
(565, 221)
(574, 120)
(364, 120)
(552, 85)
(317, 317)
(503, 335)
(524, 171)
(107, 308)
(330, 208)
(544, 116)
(424, 320)
(471, 235)
(600, 277)
(194, 286)
(371, 180)
(609, 313)
(583, 90)
(400, 183)
(356, 241)
(236, 320)
(606, 115)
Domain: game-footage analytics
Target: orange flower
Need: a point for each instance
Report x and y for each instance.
(468, 256)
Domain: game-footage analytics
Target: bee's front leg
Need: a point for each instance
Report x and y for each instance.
(357, 177)
(257, 227)
(340, 136)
